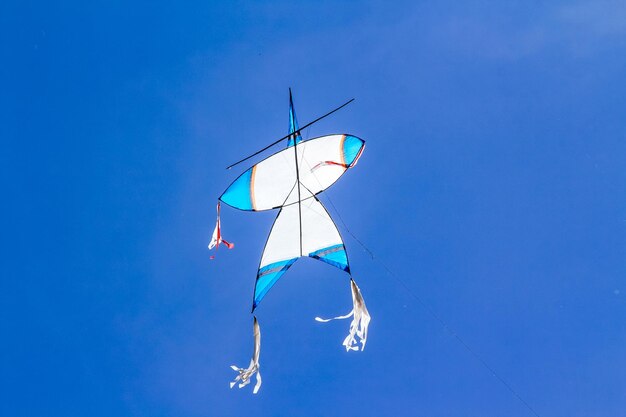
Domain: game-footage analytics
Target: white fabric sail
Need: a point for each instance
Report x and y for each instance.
(303, 229)
(269, 184)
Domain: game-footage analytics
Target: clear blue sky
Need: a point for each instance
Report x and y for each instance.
(493, 183)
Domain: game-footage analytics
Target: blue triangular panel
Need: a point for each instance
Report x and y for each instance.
(267, 277)
(333, 255)
(293, 124)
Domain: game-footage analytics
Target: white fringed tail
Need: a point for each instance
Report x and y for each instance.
(358, 327)
(245, 374)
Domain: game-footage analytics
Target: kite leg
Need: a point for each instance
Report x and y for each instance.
(360, 322)
(245, 374)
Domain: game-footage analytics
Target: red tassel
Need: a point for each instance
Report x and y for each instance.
(216, 239)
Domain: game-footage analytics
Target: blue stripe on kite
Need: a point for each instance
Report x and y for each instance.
(334, 255)
(238, 194)
(351, 148)
(291, 141)
(293, 126)
(267, 277)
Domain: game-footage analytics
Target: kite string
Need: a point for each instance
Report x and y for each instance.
(427, 307)
(432, 313)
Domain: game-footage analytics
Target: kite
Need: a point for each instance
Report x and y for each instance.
(290, 181)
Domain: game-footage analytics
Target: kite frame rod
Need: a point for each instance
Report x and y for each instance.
(295, 132)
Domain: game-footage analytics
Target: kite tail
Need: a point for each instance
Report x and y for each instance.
(360, 322)
(216, 239)
(245, 374)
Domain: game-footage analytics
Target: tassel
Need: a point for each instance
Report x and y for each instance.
(245, 374)
(216, 239)
(360, 322)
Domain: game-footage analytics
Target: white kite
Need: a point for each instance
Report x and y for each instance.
(290, 181)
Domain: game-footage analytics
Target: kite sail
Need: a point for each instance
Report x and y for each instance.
(294, 174)
(303, 229)
(290, 181)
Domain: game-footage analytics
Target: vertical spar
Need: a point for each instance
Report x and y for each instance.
(295, 151)
(293, 127)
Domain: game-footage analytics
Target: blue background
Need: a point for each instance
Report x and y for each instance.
(492, 184)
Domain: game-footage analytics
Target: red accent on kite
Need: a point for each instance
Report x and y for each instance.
(339, 164)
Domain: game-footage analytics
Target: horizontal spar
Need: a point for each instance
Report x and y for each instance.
(291, 134)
